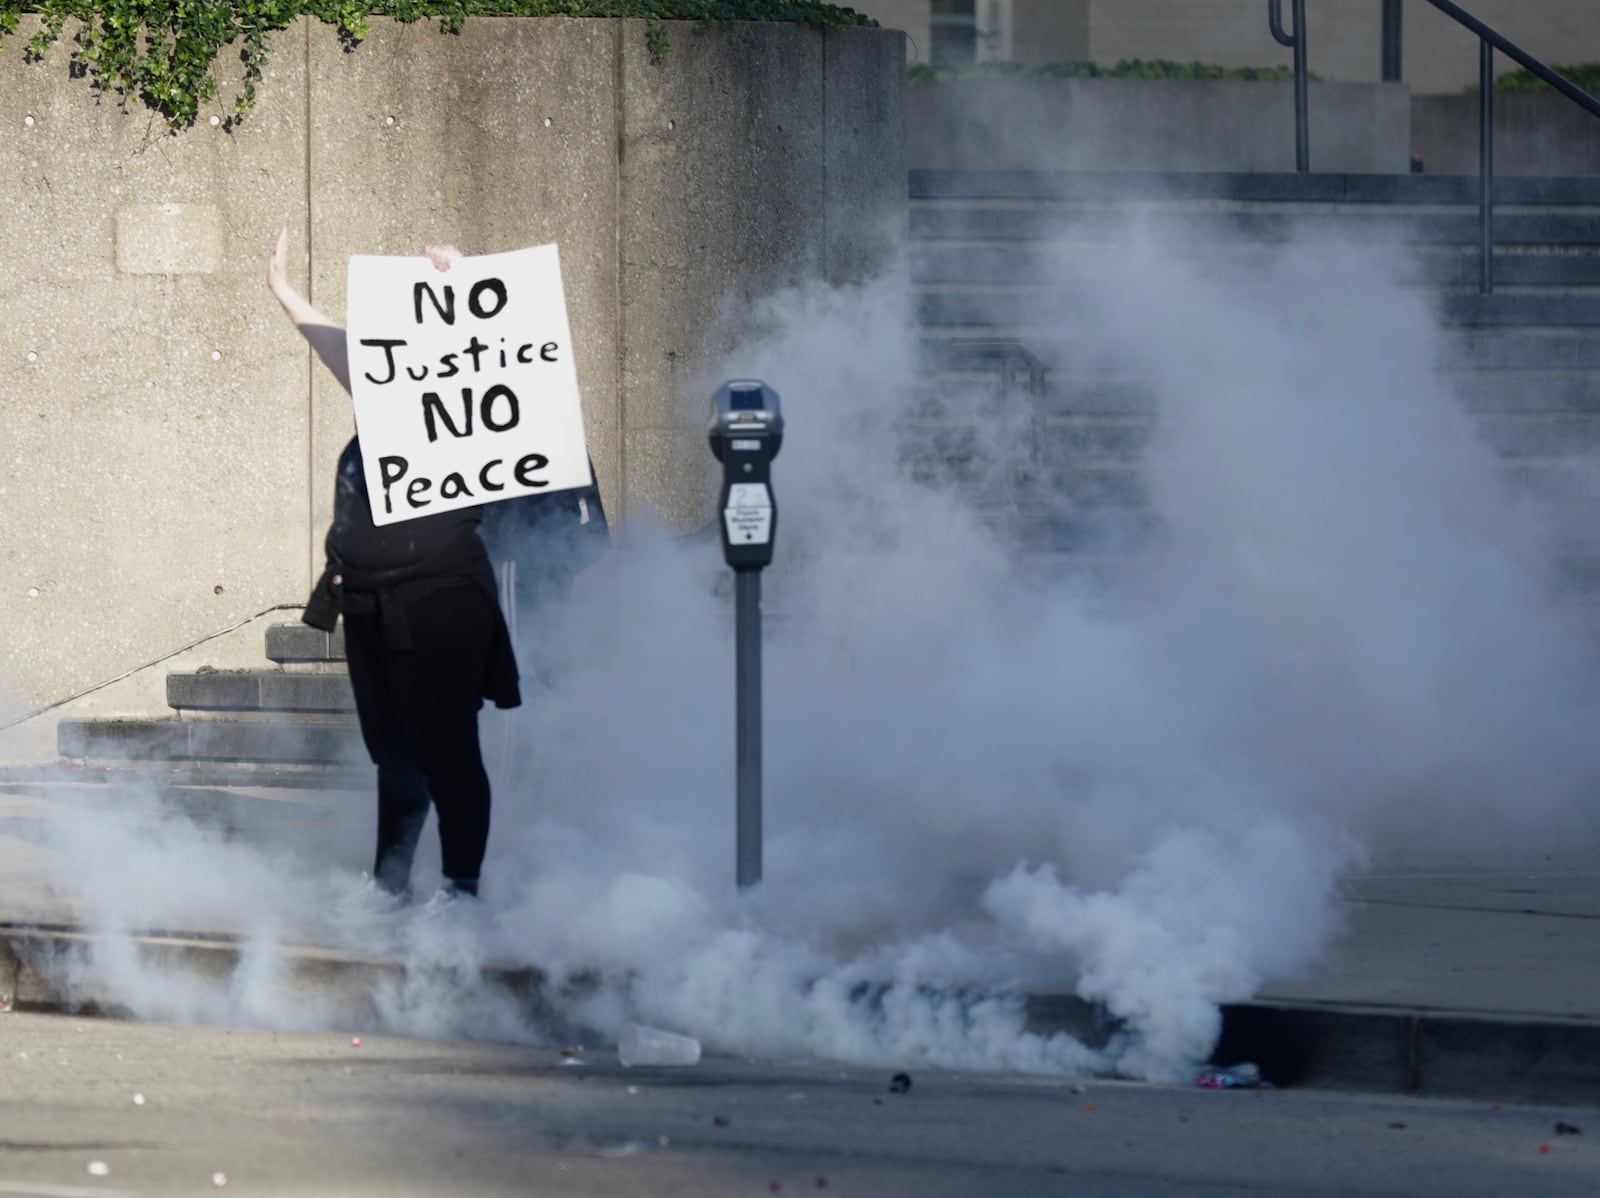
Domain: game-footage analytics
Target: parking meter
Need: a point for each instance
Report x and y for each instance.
(746, 432)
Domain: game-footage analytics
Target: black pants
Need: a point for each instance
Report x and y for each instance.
(419, 718)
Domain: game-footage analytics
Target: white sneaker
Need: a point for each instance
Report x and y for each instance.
(368, 900)
(450, 901)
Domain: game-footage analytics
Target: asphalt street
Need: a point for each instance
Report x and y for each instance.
(107, 1108)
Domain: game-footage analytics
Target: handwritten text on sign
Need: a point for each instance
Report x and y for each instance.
(464, 384)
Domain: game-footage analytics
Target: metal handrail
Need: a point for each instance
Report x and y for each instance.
(1511, 50)
(1489, 40)
(1297, 43)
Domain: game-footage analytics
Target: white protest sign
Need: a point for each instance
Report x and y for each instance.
(464, 383)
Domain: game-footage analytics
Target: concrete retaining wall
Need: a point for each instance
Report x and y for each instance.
(1535, 134)
(1129, 124)
(168, 445)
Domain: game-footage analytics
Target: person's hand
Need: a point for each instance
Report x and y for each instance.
(277, 267)
(443, 257)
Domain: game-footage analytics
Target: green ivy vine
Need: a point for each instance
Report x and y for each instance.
(162, 53)
(1585, 74)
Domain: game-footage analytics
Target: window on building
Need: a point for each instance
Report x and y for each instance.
(955, 32)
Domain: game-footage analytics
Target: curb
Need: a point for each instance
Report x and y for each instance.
(1436, 1054)
(1423, 1053)
(48, 968)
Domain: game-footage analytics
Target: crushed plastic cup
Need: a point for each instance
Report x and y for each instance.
(1244, 1076)
(641, 1045)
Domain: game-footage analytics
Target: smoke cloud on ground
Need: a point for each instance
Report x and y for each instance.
(984, 777)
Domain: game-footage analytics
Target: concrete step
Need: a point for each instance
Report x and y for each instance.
(287, 741)
(1485, 315)
(260, 691)
(166, 776)
(1063, 394)
(1442, 266)
(1087, 356)
(290, 644)
(1253, 187)
(1001, 222)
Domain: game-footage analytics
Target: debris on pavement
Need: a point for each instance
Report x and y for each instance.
(5, 1003)
(1243, 1076)
(1397, 1127)
(98, 1169)
(219, 1180)
(138, 1100)
(1568, 1129)
(900, 1083)
(639, 1044)
(721, 1120)
(355, 1042)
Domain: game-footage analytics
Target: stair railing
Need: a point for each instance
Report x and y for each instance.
(1297, 43)
(1489, 40)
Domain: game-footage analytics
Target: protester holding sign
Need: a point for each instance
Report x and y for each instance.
(425, 639)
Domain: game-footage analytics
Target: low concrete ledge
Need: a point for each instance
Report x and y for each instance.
(1391, 1051)
(46, 968)
(1402, 1051)
(1043, 123)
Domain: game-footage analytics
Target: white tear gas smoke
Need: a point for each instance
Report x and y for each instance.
(983, 778)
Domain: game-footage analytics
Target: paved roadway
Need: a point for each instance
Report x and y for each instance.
(314, 1114)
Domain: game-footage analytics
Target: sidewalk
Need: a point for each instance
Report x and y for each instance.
(1455, 978)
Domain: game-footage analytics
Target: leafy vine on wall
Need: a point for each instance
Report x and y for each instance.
(163, 53)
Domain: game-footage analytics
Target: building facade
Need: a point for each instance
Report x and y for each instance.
(1344, 38)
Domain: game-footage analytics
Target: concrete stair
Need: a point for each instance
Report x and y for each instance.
(290, 724)
(1055, 418)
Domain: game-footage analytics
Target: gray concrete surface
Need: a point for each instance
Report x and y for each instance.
(1454, 977)
(1167, 124)
(1535, 133)
(170, 445)
(163, 1110)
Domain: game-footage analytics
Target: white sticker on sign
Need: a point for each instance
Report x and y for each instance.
(748, 516)
(464, 382)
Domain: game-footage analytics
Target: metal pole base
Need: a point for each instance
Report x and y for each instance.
(747, 699)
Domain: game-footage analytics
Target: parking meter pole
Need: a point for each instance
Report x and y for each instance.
(745, 434)
(747, 649)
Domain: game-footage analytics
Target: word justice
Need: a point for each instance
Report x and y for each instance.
(450, 365)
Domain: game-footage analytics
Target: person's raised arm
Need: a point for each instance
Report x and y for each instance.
(324, 336)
